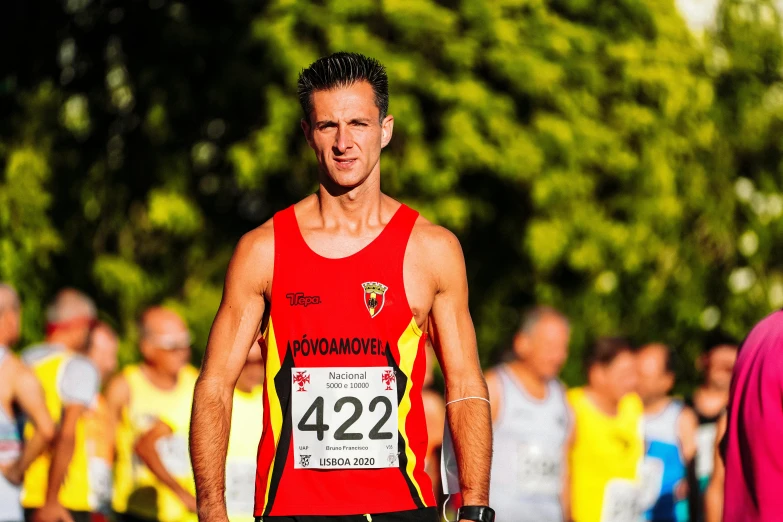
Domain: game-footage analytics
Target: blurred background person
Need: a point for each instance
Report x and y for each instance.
(103, 350)
(56, 486)
(608, 438)
(709, 401)
(532, 423)
(752, 448)
(246, 426)
(18, 388)
(150, 405)
(669, 436)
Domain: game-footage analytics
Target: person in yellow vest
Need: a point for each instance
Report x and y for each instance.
(608, 444)
(98, 428)
(56, 486)
(246, 427)
(150, 404)
(18, 387)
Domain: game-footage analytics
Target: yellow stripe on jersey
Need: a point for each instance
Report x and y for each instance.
(408, 346)
(275, 413)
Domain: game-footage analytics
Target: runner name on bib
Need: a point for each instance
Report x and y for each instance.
(345, 418)
(240, 486)
(621, 501)
(539, 470)
(173, 452)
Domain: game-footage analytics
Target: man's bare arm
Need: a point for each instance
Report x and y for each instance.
(62, 453)
(713, 496)
(233, 333)
(29, 395)
(454, 339)
(146, 449)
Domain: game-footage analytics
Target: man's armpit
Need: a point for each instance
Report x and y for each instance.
(78, 381)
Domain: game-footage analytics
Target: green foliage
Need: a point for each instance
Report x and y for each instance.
(590, 154)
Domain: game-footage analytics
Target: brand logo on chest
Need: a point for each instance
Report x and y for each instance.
(300, 299)
(374, 297)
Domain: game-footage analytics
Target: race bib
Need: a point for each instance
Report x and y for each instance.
(621, 502)
(538, 470)
(240, 486)
(705, 449)
(651, 476)
(173, 452)
(345, 418)
(100, 474)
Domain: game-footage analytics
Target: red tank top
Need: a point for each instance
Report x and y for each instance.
(344, 428)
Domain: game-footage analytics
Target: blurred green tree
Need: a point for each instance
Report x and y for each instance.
(585, 151)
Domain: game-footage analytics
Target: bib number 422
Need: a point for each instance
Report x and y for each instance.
(345, 418)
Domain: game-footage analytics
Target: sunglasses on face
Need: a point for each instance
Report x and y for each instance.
(170, 341)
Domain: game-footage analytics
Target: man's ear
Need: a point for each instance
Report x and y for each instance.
(387, 128)
(308, 131)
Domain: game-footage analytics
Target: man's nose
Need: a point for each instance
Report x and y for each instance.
(343, 139)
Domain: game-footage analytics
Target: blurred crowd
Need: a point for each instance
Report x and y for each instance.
(81, 440)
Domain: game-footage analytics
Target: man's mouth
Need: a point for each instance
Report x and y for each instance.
(344, 163)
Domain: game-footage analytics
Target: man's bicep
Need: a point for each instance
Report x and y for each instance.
(30, 397)
(241, 310)
(454, 337)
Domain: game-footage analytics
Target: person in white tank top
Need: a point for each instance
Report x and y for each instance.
(18, 387)
(532, 423)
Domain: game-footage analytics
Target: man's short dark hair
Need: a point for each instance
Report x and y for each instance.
(605, 350)
(342, 70)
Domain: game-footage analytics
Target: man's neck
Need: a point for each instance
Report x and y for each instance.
(158, 379)
(56, 338)
(657, 405)
(603, 402)
(534, 384)
(710, 400)
(353, 207)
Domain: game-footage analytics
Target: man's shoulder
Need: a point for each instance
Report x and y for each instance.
(437, 241)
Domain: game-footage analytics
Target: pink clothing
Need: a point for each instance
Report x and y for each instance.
(754, 436)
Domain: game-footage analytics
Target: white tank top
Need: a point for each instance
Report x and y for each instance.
(10, 449)
(527, 462)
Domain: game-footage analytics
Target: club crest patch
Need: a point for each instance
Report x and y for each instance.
(374, 297)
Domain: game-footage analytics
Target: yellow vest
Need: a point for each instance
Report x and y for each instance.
(247, 421)
(604, 459)
(85, 481)
(136, 489)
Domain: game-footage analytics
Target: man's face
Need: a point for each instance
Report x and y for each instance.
(167, 347)
(11, 321)
(654, 381)
(545, 348)
(345, 132)
(719, 364)
(616, 379)
(253, 372)
(103, 351)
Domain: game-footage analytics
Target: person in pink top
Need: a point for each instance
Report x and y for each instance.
(753, 445)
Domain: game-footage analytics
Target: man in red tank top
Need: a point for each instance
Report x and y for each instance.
(347, 285)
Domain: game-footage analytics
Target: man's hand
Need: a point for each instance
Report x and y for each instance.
(12, 473)
(52, 512)
(187, 499)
